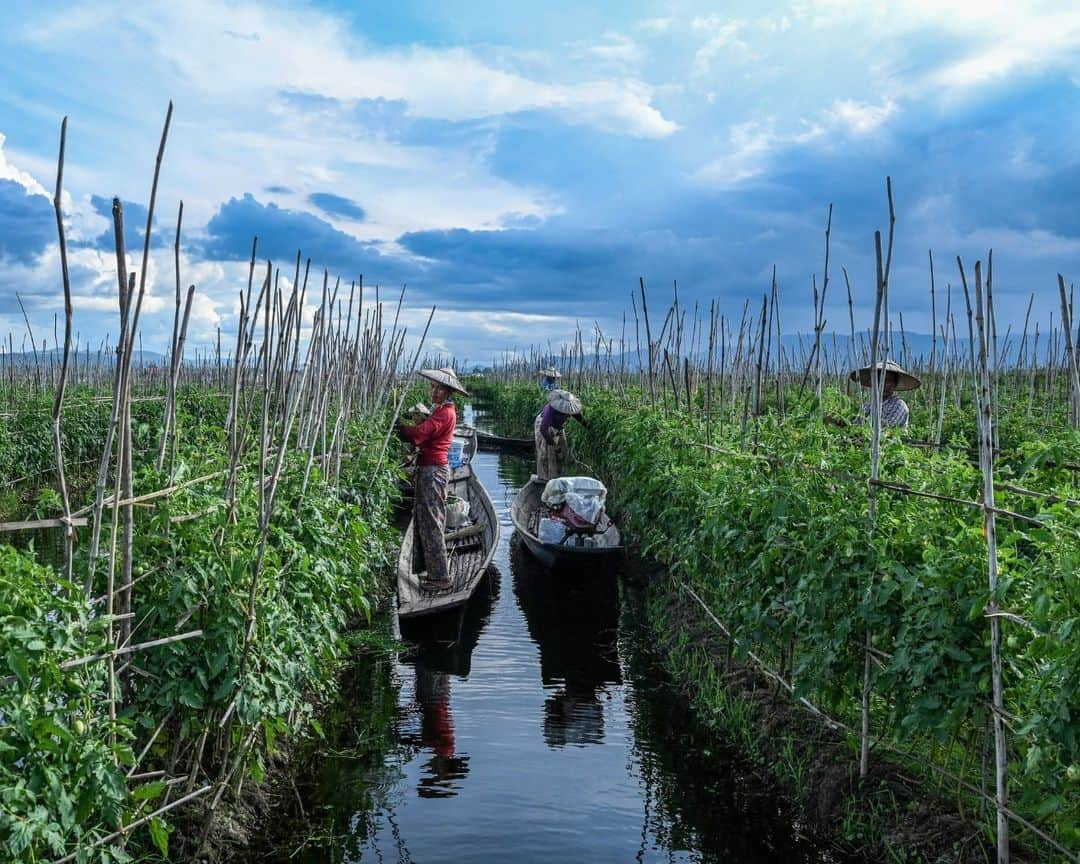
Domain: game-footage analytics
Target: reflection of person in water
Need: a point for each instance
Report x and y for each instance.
(437, 733)
(576, 625)
(443, 651)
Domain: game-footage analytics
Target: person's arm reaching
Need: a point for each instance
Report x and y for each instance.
(424, 433)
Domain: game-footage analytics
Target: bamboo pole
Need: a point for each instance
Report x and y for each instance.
(58, 403)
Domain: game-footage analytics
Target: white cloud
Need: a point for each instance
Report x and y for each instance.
(479, 335)
(721, 36)
(753, 143)
(750, 146)
(306, 51)
(860, 118)
(655, 25)
(1036, 243)
(231, 69)
(990, 41)
(1025, 45)
(617, 49)
(23, 178)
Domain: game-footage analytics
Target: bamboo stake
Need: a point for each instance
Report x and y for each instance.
(58, 403)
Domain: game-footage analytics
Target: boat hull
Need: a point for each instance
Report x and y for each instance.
(497, 443)
(467, 564)
(559, 555)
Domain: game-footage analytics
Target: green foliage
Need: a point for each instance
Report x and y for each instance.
(511, 407)
(62, 782)
(778, 542)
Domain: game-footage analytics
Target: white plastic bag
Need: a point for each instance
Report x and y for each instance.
(457, 512)
(557, 489)
(584, 495)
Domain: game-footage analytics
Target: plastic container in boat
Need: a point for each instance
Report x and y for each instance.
(456, 455)
(552, 530)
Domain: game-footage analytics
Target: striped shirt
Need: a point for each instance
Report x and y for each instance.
(894, 413)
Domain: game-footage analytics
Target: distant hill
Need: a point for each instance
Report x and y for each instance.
(798, 348)
(55, 356)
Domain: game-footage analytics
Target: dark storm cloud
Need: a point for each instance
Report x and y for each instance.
(134, 226)
(337, 205)
(27, 223)
(282, 232)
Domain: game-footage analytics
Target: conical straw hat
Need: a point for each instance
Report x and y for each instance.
(445, 376)
(550, 372)
(905, 380)
(564, 402)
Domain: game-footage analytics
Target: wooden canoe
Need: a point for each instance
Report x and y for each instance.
(500, 444)
(525, 514)
(469, 551)
(467, 435)
(444, 643)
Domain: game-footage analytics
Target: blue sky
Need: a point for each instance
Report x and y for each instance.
(521, 165)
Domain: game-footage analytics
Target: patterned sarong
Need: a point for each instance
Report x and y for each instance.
(429, 513)
(549, 457)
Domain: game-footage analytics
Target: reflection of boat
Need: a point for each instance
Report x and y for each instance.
(443, 647)
(525, 514)
(445, 643)
(576, 626)
(469, 551)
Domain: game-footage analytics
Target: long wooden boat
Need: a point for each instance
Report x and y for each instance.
(525, 514)
(502, 444)
(445, 643)
(469, 551)
(470, 444)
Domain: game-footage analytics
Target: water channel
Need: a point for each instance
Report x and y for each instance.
(535, 726)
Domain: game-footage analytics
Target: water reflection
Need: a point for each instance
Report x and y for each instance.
(438, 755)
(442, 647)
(574, 620)
(445, 768)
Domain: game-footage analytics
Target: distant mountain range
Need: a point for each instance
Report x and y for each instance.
(913, 349)
(54, 356)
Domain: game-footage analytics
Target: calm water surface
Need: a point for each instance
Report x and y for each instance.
(535, 727)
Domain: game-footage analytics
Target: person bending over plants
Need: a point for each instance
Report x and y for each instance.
(549, 435)
(894, 410)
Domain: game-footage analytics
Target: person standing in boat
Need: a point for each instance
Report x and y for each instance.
(549, 435)
(549, 379)
(894, 410)
(432, 438)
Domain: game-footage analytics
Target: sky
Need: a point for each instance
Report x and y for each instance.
(520, 166)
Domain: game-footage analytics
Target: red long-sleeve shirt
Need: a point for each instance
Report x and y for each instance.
(433, 436)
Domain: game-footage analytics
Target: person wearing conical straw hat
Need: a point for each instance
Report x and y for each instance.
(894, 410)
(549, 378)
(549, 435)
(432, 438)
